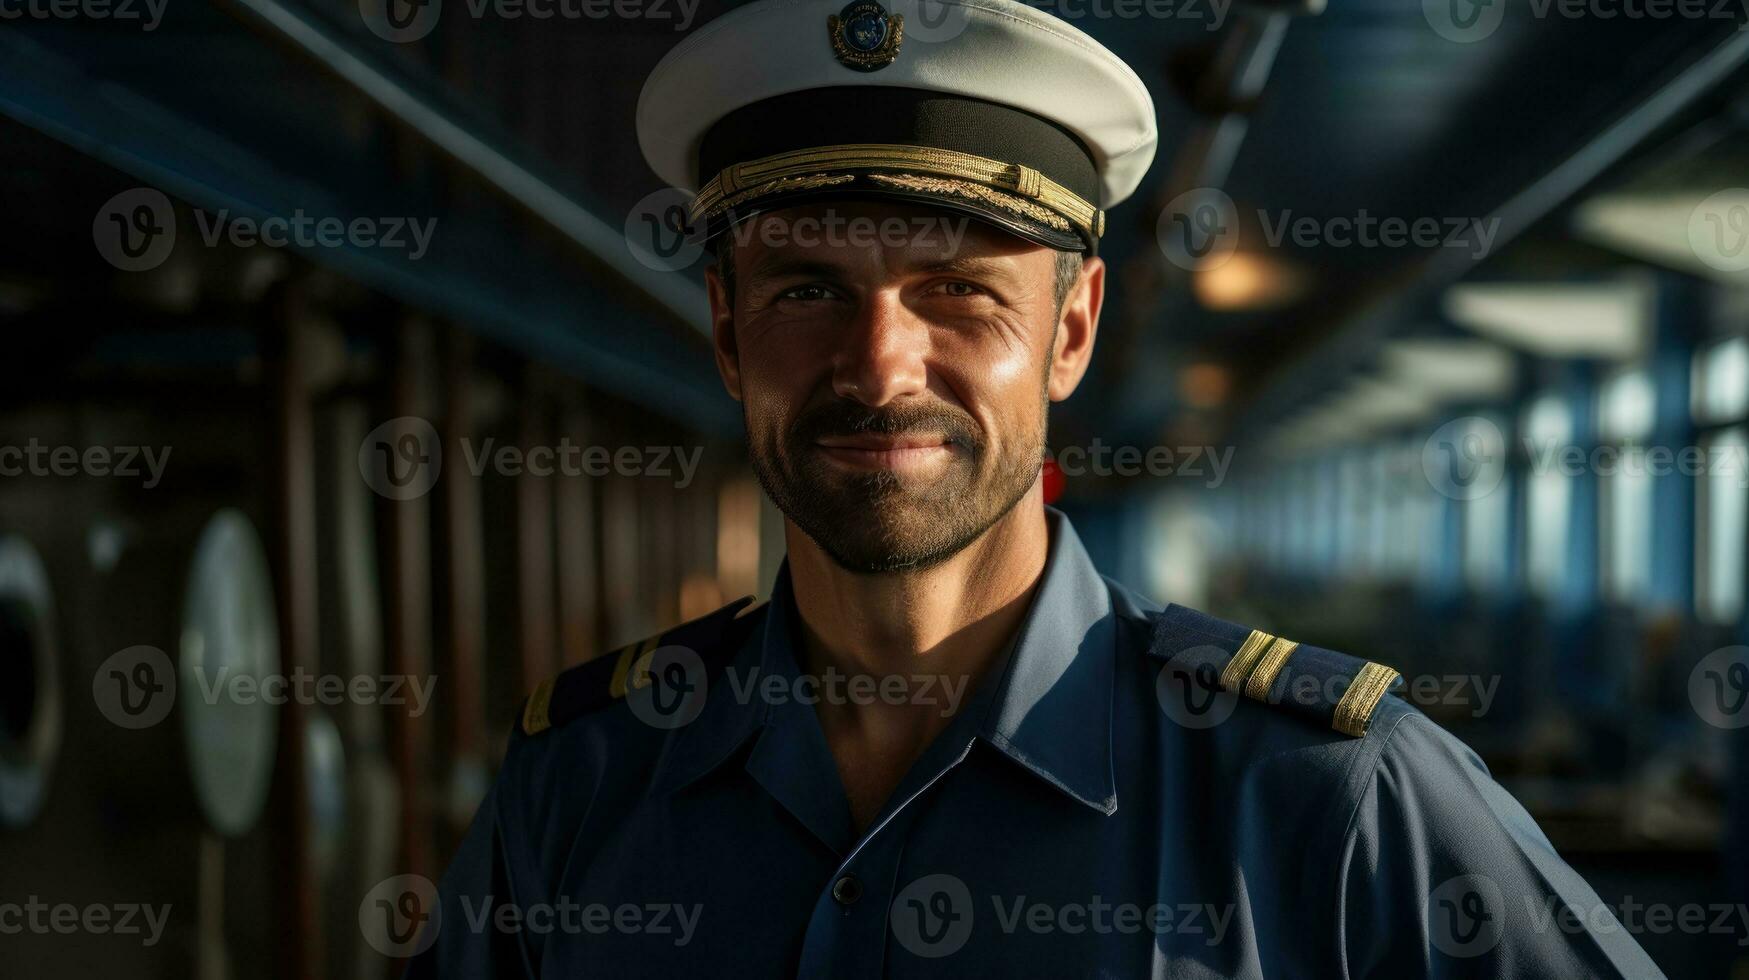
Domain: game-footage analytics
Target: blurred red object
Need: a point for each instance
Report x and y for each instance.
(1053, 481)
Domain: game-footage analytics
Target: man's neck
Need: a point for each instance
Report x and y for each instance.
(948, 623)
(938, 630)
(952, 618)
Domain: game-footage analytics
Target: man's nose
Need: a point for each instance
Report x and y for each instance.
(881, 354)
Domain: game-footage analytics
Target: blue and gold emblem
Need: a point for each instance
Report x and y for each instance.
(865, 36)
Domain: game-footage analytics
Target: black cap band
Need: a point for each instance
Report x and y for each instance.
(879, 114)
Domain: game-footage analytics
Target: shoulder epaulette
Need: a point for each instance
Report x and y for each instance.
(600, 682)
(1323, 686)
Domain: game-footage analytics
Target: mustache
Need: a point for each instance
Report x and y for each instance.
(843, 418)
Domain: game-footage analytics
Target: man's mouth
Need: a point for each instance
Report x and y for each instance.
(900, 452)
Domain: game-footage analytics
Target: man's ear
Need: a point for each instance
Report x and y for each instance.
(723, 330)
(1077, 326)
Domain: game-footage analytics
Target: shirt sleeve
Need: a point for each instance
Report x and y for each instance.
(1444, 874)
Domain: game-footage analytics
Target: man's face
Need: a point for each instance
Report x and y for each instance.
(894, 385)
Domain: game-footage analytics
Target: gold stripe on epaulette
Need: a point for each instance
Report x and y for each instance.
(751, 608)
(1354, 711)
(1239, 668)
(1263, 678)
(640, 672)
(535, 718)
(633, 667)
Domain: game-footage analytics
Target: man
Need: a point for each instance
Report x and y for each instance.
(947, 746)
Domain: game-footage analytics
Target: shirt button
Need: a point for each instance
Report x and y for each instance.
(846, 890)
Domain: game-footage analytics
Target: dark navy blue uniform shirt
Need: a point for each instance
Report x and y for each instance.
(1098, 807)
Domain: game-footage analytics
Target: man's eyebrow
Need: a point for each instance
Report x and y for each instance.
(781, 267)
(970, 265)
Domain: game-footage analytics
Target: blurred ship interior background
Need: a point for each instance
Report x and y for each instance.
(1388, 424)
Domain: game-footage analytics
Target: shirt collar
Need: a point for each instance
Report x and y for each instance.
(1052, 713)
(1051, 710)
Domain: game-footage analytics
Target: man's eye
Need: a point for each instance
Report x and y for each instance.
(807, 294)
(956, 288)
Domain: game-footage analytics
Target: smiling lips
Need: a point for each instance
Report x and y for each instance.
(902, 452)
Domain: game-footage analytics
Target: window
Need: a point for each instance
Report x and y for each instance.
(1721, 523)
(1720, 404)
(1548, 426)
(1721, 382)
(1625, 408)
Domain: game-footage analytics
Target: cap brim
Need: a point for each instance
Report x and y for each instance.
(1003, 211)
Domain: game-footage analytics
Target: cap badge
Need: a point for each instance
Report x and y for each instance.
(864, 36)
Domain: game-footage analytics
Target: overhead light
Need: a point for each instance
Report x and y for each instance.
(1698, 231)
(1603, 319)
(1249, 281)
(1204, 385)
(1451, 369)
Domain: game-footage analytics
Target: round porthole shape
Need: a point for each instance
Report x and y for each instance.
(229, 673)
(30, 683)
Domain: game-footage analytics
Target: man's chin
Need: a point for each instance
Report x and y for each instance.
(891, 532)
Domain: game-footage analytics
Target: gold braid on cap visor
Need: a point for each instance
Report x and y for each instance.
(1025, 191)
